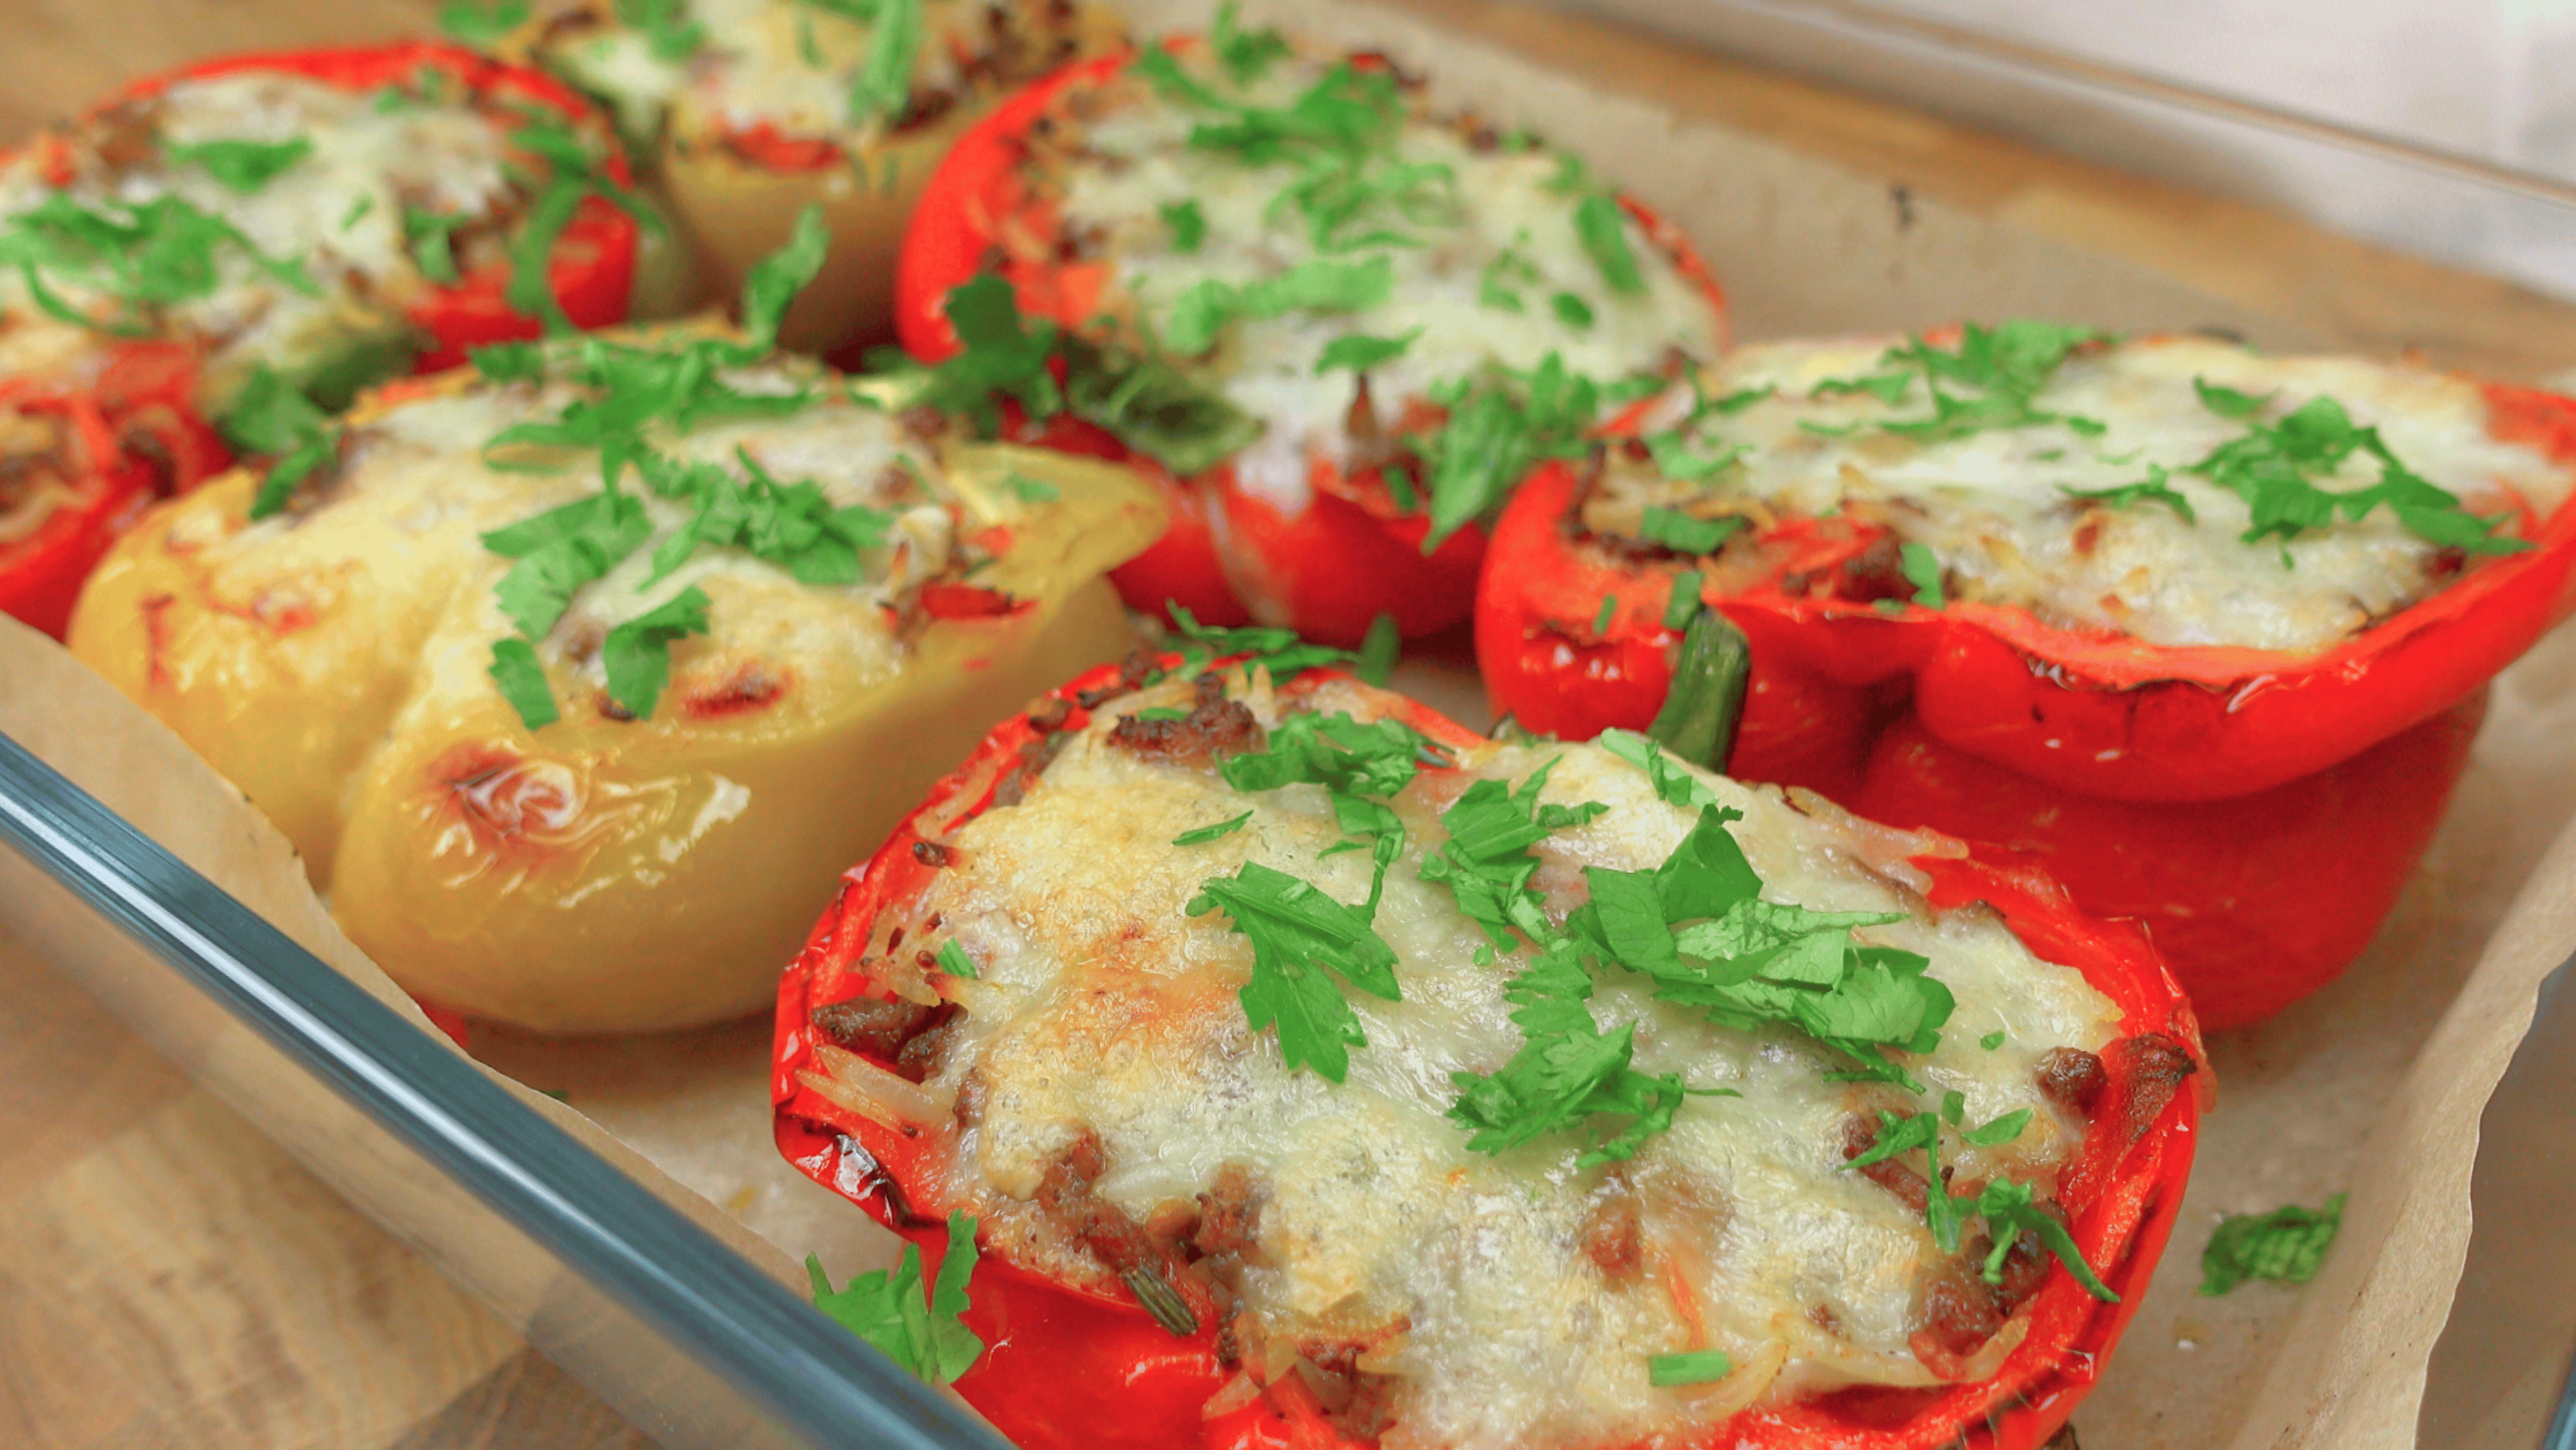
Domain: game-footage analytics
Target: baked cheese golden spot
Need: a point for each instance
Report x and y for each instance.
(338, 211)
(1492, 273)
(798, 68)
(1993, 505)
(1493, 1300)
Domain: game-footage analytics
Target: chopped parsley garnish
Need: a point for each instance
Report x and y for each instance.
(142, 256)
(1602, 228)
(1992, 1040)
(1379, 649)
(624, 390)
(1360, 352)
(637, 654)
(2228, 402)
(2156, 487)
(1888, 388)
(1499, 425)
(522, 681)
(244, 166)
(481, 24)
(1684, 534)
(953, 960)
(1188, 224)
(669, 34)
(2009, 1209)
(1601, 617)
(431, 239)
(1320, 285)
(2273, 467)
(1922, 569)
(1688, 1367)
(1280, 651)
(1205, 834)
(884, 85)
(269, 416)
(2287, 1246)
(890, 1310)
(1304, 943)
(1571, 310)
(576, 174)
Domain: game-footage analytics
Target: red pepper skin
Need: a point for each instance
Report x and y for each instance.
(2302, 874)
(592, 267)
(41, 574)
(1070, 1367)
(1329, 569)
(2116, 762)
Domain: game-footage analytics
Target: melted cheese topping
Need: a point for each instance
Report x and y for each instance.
(337, 212)
(415, 494)
(1103, 1006)
(1496, 228)
(794, 65)
(1992, 505)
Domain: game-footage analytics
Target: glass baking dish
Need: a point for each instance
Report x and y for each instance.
(692, 1341)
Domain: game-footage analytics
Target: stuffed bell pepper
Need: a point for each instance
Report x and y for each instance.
(1296, 1068)
(748, 111)
(2184, 622)
(1336, 322)
(220, 254)
(570, 674)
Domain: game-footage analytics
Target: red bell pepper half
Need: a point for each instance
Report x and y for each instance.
(2224, 767)
(62, 503)
(1070, 1368)
(591, 269)
(145, 394)
(1327, 570)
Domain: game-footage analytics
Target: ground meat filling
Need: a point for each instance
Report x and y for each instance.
(1214, 726)
(2071, 1077)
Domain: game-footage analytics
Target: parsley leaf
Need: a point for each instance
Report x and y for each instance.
(2228, 402)
(2001, 1131)
(953, 960)
(1246, 54)
(1205, 834)
(888, 1309)
(1602, 227)
(2006, 365)
(1922, 569)
(1675, 460)
(1499, 424)
(143, 256)
(2156, 487)
(637, 654)
(1566, 1069)
(775, 280)
(1992, 1040)
(1684, 534)
(1486, 862)
(479, 24)
(1888, 388)
(1188, 224)
(560, 550)
(1302, 940)
(431, 239)
(270, 416)
(1360, 352)
(522, 681)
(244, 166)
(1688, 1367)
(1319, 285)
(1279, 651)
(2271, 467)
(1379, 649)
(2286, 1246)
(884, 85)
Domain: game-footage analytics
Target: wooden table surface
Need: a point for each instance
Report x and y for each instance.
(168, 1277)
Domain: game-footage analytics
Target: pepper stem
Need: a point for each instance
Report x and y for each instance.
(1706, 700)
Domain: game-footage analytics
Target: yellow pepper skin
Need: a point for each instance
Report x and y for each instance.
(603, 873)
